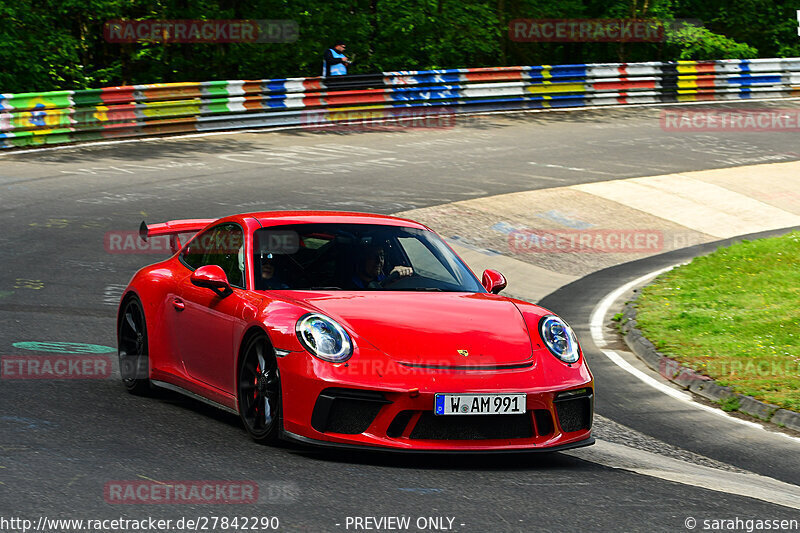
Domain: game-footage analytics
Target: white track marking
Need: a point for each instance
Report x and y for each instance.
(749, 484)
(596, 322)
(575, 169)
(549, 178)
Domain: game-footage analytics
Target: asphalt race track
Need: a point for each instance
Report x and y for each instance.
(63, 441)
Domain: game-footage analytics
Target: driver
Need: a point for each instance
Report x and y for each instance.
(369, 270)
(270, 280)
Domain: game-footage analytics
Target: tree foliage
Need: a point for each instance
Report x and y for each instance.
(59, 44)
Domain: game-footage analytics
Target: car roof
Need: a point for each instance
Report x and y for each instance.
(270, 218)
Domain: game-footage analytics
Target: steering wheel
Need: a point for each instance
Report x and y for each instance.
(394, 277)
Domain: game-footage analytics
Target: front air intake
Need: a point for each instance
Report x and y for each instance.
(575, 409)
(473, 427)
(347, 411)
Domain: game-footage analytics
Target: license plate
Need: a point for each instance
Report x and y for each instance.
(479, 404)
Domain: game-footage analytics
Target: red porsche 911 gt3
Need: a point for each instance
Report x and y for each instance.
(351, 329)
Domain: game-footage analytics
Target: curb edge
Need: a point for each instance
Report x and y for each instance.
(695, 382)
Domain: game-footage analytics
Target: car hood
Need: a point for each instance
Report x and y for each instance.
(432, 328)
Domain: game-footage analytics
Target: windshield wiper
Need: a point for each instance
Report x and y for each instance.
(433, 289)
(324, 289)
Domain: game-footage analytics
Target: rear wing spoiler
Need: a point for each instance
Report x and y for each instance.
(173, 228)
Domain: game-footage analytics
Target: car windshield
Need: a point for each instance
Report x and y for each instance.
(357, 257)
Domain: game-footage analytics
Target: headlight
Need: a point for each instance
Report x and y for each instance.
(559, 338)
(324, 338)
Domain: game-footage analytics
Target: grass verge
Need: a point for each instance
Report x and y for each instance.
(733, 315)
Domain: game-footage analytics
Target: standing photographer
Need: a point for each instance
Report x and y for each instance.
(334, 62)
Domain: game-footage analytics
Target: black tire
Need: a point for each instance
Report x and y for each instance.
(132, 345)
(259, 391)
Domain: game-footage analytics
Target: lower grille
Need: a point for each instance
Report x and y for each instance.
(544, 422)
(574, 414)
(399, 424)
(346, 411)
(474, 427)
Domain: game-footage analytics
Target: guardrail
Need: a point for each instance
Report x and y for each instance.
(33, 119)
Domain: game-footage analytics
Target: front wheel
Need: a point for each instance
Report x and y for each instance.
(259, 391)
(133, 351)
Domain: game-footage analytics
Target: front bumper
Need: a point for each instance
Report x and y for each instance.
(390, 406)
(362, 447)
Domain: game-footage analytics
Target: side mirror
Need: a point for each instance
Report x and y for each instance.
(212, 277)
(493, 281)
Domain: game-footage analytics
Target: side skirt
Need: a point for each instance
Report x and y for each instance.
(192, 395)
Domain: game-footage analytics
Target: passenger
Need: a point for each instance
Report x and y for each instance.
(270, 280)
(369, 270)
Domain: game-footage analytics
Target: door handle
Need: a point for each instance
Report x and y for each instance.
(178, 304)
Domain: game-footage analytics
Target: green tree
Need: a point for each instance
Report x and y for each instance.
(59, 44)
